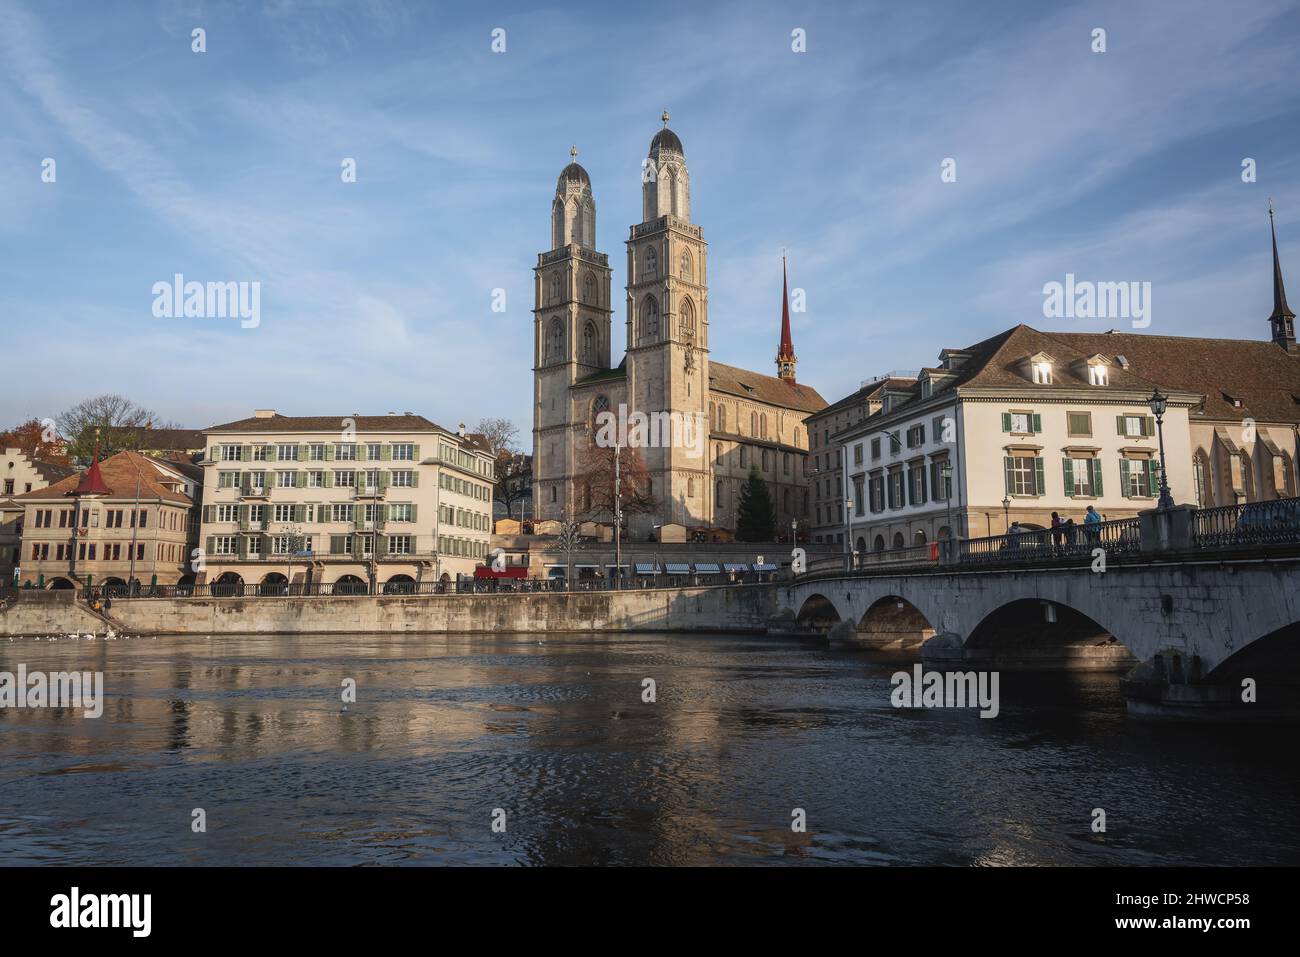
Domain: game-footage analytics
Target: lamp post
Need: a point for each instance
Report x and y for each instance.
(1006, 512)
(945, 474)
(1158, 403)
(794, 532)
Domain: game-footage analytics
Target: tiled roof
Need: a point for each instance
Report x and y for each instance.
(1260, 373)
(764, 388)
(119, 475)
(1002, 366)
(167, 440)
(868, 391)
(328, 423)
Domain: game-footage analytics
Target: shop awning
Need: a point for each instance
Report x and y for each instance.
(735, 566)
(764, 568)
(646, 569)
(677, 568)
(707, 568)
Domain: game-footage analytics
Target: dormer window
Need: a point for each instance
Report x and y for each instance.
(926, 387)
(1042, 373)
(1233, 401)
(1097, 375)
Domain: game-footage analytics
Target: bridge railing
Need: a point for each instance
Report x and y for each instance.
(1251, 523)
(1050, 544)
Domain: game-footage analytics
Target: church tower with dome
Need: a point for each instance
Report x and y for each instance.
(750, 421)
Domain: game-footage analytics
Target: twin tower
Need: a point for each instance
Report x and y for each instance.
(666, 368)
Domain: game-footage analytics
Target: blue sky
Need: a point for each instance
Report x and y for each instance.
(376, 295)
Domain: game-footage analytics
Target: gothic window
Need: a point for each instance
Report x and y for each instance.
(589, 341)
(649, 318)
(764, 425)
(599, 404)
(753, 424)
(555, 350)
(686, 264)
(688, 319)
(1201, 475)
(722, 418)
(555, 287)
(589, 289)
(651, 263)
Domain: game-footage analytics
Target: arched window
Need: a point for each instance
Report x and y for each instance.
(649, 318)
(589, 341)
(753, 424)
(722, 418)
(555, 287)
(764, 421)
(687, 271)
(919, 537)
(589, 289)
(555, 349)
(688, 320)
(651, 263)
(898, 539)
(690, 487)
(1201, 476)
(598, 405)
(879, 544)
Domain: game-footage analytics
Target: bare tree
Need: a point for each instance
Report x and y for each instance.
(502, 438)
(595, 482)
(120, 421)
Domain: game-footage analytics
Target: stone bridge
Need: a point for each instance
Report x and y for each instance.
(1198, 623)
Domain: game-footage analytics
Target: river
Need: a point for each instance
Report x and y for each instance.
(553, 731)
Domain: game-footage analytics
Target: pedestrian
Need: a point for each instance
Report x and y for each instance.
(1057, 536)
(1013, 535)
(1069, 528)
(1091, 520)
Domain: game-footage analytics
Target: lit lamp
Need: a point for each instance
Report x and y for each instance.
(1159, 402)
(1006, 511)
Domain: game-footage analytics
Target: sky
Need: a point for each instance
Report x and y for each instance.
(376, 295)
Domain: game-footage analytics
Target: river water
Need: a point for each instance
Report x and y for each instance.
(554, 732)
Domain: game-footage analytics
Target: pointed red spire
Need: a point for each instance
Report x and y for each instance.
(92, 483)
(785, 357)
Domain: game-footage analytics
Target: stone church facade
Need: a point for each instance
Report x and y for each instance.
(751, 420)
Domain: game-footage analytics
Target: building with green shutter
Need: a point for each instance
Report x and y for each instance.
(368, 502)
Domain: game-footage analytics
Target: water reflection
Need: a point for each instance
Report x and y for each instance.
(744, 730)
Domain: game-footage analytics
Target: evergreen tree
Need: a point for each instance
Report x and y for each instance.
(755, 516)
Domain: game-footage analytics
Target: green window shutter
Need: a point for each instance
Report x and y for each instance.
(386, 452)
(247, 453)
(213, 453)
(1038, 423)
(1123, 478)
(1067, 468)
(243, 546)
(329, 452)
(415, 453)
(1148, 425)
(384, 478)
(381, 545)
(329, 479)
(1006, 421)
(1007, 463)
(1153, 477)
(336, 544)
(1038, 476)
(212, 544)
(1119, 425)
(920, 477)
(413, 510)
(1096, 477)
(299, 513)
(415, 478)
(303, 452)
(207, 514)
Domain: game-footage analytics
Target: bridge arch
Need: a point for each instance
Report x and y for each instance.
(1042, 633)
(818, 611)
(892, 623)
(1272, 660)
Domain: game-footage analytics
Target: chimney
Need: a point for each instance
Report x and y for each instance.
(263, 413)
(461, 430)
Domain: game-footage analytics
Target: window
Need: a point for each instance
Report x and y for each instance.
(687, 271)
(896, 493)
(225, 545)
(284, 513)
(284, 479)
(286, 453)
(259, 453)
(688, 320)
(588, 341)
(649, 318)
(345, 452)
(341, 513)
(651, 263)
(374, 451)
(876, 488)
(1079, 423)
(915, 436)
(400, 513)
(555, 286)
(589, 289)
(227, 513)
(1082, 477)
(1022, 423)
(1098, 375)
(399, 544)
(256, 481)
(1043, 373)
(916, 484)
(937, 430)
(859, 501)
(875, 449)
(345, 479)
(316, 479)
(1135, 426)
(403, 478)
(1138, 477)
(1024, 474)
(316, 452)
(232, 453)
(940, 481)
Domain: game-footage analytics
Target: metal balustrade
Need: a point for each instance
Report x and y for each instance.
(1251, 523)
(1049, 544)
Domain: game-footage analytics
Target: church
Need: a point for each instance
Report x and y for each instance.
(752, 420)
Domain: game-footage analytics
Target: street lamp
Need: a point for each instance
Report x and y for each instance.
(1159, 403)
(945, 474)
(794, 531)
(1006, 514)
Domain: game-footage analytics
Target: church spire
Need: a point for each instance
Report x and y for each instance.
(1283, 319)
(785, 357)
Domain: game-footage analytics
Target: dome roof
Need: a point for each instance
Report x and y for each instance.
(667, 139)
(574, 173)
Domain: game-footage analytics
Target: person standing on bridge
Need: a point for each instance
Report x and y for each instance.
(1058, 536)
(1092, 520)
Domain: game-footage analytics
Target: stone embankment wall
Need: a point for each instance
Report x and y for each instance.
(742, 608)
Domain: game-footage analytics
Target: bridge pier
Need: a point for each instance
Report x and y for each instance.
(1171, 686)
